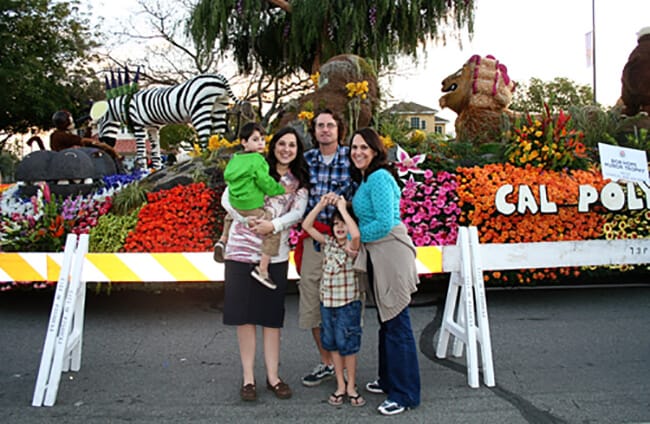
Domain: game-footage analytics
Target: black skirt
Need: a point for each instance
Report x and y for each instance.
(247, 301)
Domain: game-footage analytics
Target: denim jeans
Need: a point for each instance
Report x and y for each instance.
(340, 328)
(399, 372)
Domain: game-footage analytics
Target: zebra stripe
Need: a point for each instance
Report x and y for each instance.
(201, 101)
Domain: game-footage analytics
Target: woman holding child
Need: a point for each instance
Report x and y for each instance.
(387, 254)
(247, 303)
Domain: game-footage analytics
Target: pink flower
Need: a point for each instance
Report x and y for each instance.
(406, 163)
(46, 192)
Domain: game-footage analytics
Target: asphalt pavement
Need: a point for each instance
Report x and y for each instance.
(163, 356)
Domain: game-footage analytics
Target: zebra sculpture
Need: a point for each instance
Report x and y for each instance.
(201, 101)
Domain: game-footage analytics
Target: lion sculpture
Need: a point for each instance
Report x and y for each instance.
(479, 93)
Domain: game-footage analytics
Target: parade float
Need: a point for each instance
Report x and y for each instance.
(536, 178)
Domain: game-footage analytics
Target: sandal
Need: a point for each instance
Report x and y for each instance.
(281, 389)
(336, 399)
(356, 400)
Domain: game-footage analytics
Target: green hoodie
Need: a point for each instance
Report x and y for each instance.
(248, 179)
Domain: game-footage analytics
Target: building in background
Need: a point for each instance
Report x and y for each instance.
(419, 117)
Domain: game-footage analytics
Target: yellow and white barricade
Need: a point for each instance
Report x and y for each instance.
(152, 267)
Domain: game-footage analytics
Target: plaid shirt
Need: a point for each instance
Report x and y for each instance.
(325, 178)
(339, 285)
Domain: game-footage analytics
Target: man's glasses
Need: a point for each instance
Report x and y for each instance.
(329, 125)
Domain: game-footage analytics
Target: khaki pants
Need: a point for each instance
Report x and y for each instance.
(310, 275)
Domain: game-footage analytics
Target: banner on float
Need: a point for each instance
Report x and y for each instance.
(623, 163)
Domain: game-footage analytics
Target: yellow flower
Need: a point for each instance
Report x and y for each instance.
(351, 89)
(315, 78)
(387, 140)
(306, 115)
(196, 151)
(357, 89)
(213, 143)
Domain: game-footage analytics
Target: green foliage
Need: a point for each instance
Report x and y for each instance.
(8, 162)
(131, 197)
(393, 126)
(172, 134)
(559, 94)
(44, 44)
(111, 230)
(446, 154)
(639, 139)
(308, 33)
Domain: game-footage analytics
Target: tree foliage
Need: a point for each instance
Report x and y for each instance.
(44, 44)
(296, 34)
(560, 93)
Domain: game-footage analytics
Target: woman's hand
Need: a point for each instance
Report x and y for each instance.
(350, 251)
(263, 227)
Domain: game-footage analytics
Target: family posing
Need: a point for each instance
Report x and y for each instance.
(334, 254)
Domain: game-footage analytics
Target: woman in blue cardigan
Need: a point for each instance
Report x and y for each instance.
(387, 254)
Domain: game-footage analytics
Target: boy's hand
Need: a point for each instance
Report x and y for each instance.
(324, 201)
(341, 203)
(288, 189)
(330, 198)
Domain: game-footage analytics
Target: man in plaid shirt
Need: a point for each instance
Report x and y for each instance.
(329, 172)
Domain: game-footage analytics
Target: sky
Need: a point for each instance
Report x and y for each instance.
(541, 39)
(537, 39)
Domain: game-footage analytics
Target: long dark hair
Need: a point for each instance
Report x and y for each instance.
(380, 161)
(298, 166)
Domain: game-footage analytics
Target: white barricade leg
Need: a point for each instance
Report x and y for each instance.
(448, 316)
(65, 340)
(459, 342)
(60, 294)
(78, 328)
(465, 329)
(483, 335)
(75, 341)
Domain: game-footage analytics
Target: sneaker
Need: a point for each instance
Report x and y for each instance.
(218, 252)
(263, 278)
(374, 387)
(388, 407)
(319, 374)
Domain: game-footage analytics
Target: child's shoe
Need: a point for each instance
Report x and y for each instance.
(263, 278)
(218, 252)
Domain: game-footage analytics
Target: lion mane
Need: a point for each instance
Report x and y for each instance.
(479, 93)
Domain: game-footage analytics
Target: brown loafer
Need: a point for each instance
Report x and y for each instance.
(248, 392)
(281, 389)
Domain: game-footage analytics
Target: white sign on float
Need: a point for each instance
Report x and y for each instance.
(622, 163)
